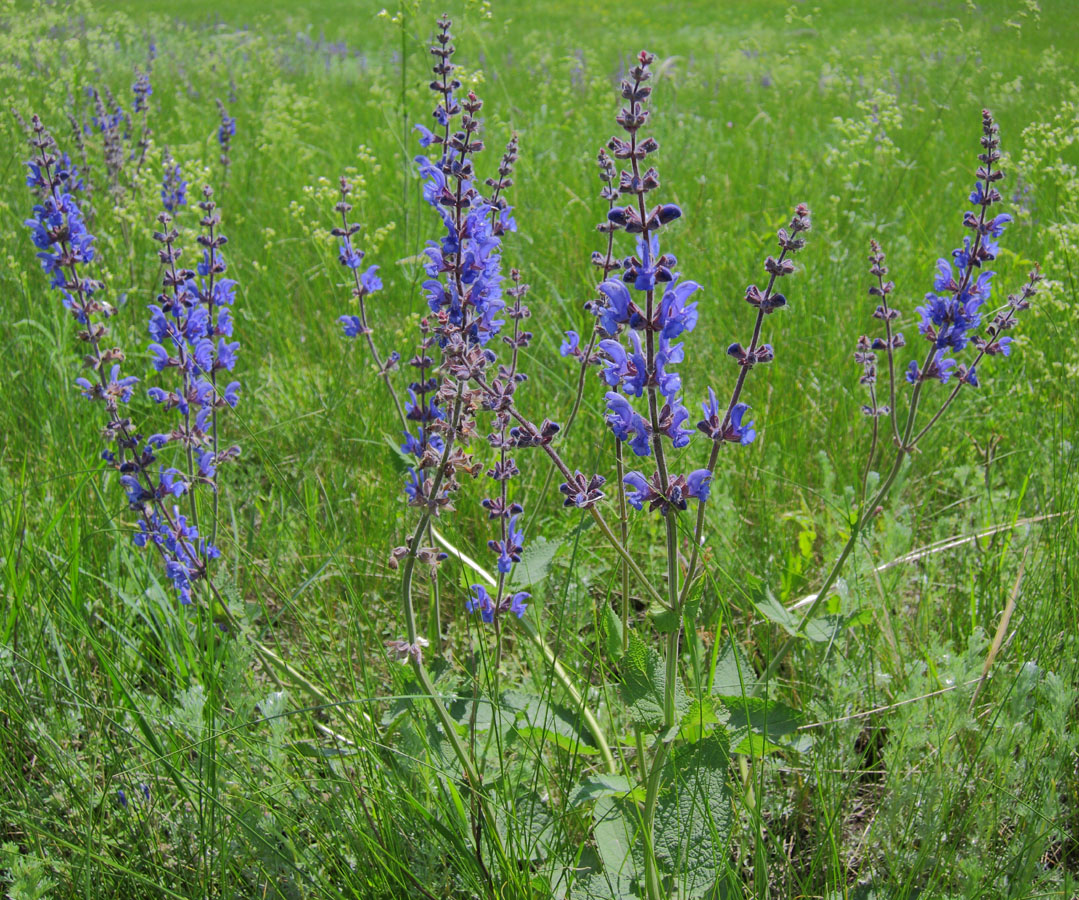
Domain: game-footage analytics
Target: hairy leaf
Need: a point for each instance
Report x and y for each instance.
(694, 817)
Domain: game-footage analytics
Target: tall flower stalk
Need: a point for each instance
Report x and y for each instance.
(949, 323)
(65, 250)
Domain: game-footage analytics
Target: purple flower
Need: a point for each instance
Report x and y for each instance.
(353, 326)
(370, 280)
(699, 484)
(624, 421)
(675, 315)
(641, 491)
(509, 550)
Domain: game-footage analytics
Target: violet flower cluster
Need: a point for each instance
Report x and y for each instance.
(645, 368)
(173, 185)
(65, 249)
(950, 315)
(464, 291)
(226, 131)
(191, 324)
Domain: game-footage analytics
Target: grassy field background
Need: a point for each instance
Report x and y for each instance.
(306, 784)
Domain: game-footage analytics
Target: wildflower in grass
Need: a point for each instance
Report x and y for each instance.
(664, 310)
(190, 324)
(110, 119)
(173, 186)
(226, 131)
(950, 320)
(65, 248)
(489, 607)
(466, 297)
(951, 315)
(363, 285)
(142, 90)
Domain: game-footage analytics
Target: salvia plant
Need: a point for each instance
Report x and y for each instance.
(656, 805)
(190, 325)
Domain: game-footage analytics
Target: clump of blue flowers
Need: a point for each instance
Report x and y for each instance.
(951, 317)
(191, 325)
(65, 248)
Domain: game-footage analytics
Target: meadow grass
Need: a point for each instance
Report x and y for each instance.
(322, 779)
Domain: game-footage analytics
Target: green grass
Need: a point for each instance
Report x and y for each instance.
(328, 780)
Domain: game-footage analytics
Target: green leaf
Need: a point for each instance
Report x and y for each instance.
(753, 744)
(699, 721)
(694, 817)
(665, 619)
(733, 675)
(826, 629)
(610, 627)
(535, 562)
(538, 718)
(766, 717)
(615, 834)
(597, 786)
(529, 829)
(644, 681)
(774, 611)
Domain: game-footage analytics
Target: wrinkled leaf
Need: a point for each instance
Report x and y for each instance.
(535, 562)
(540, 719)
(643, 682)
(767, 717)
(694, 817)
(610, 627)
(733, 673)
(606, 786)
(826, 629)
(774, 611)
(615, 834)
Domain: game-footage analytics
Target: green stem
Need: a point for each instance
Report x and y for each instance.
(864, 516)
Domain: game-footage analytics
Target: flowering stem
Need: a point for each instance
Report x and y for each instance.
(872, 442)
(618, 546)
(860, 522)
(736, 394)
(449, 727)
(623, 527)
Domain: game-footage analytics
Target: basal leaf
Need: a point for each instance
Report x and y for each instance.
(610, 627)
(774, 611)
(733, 674)
(694, 817)
(606, 785)
(537, 718)
(826, 629)
(766, 717)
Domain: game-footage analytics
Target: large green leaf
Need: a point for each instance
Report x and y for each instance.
(535, 562)
(774, 611)
(827, 628)
(644, 680)
(539, 719)
(615, 829)
(766, 717)
(733, 674)
(610, 629)
(694, 818)
(606, 785)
